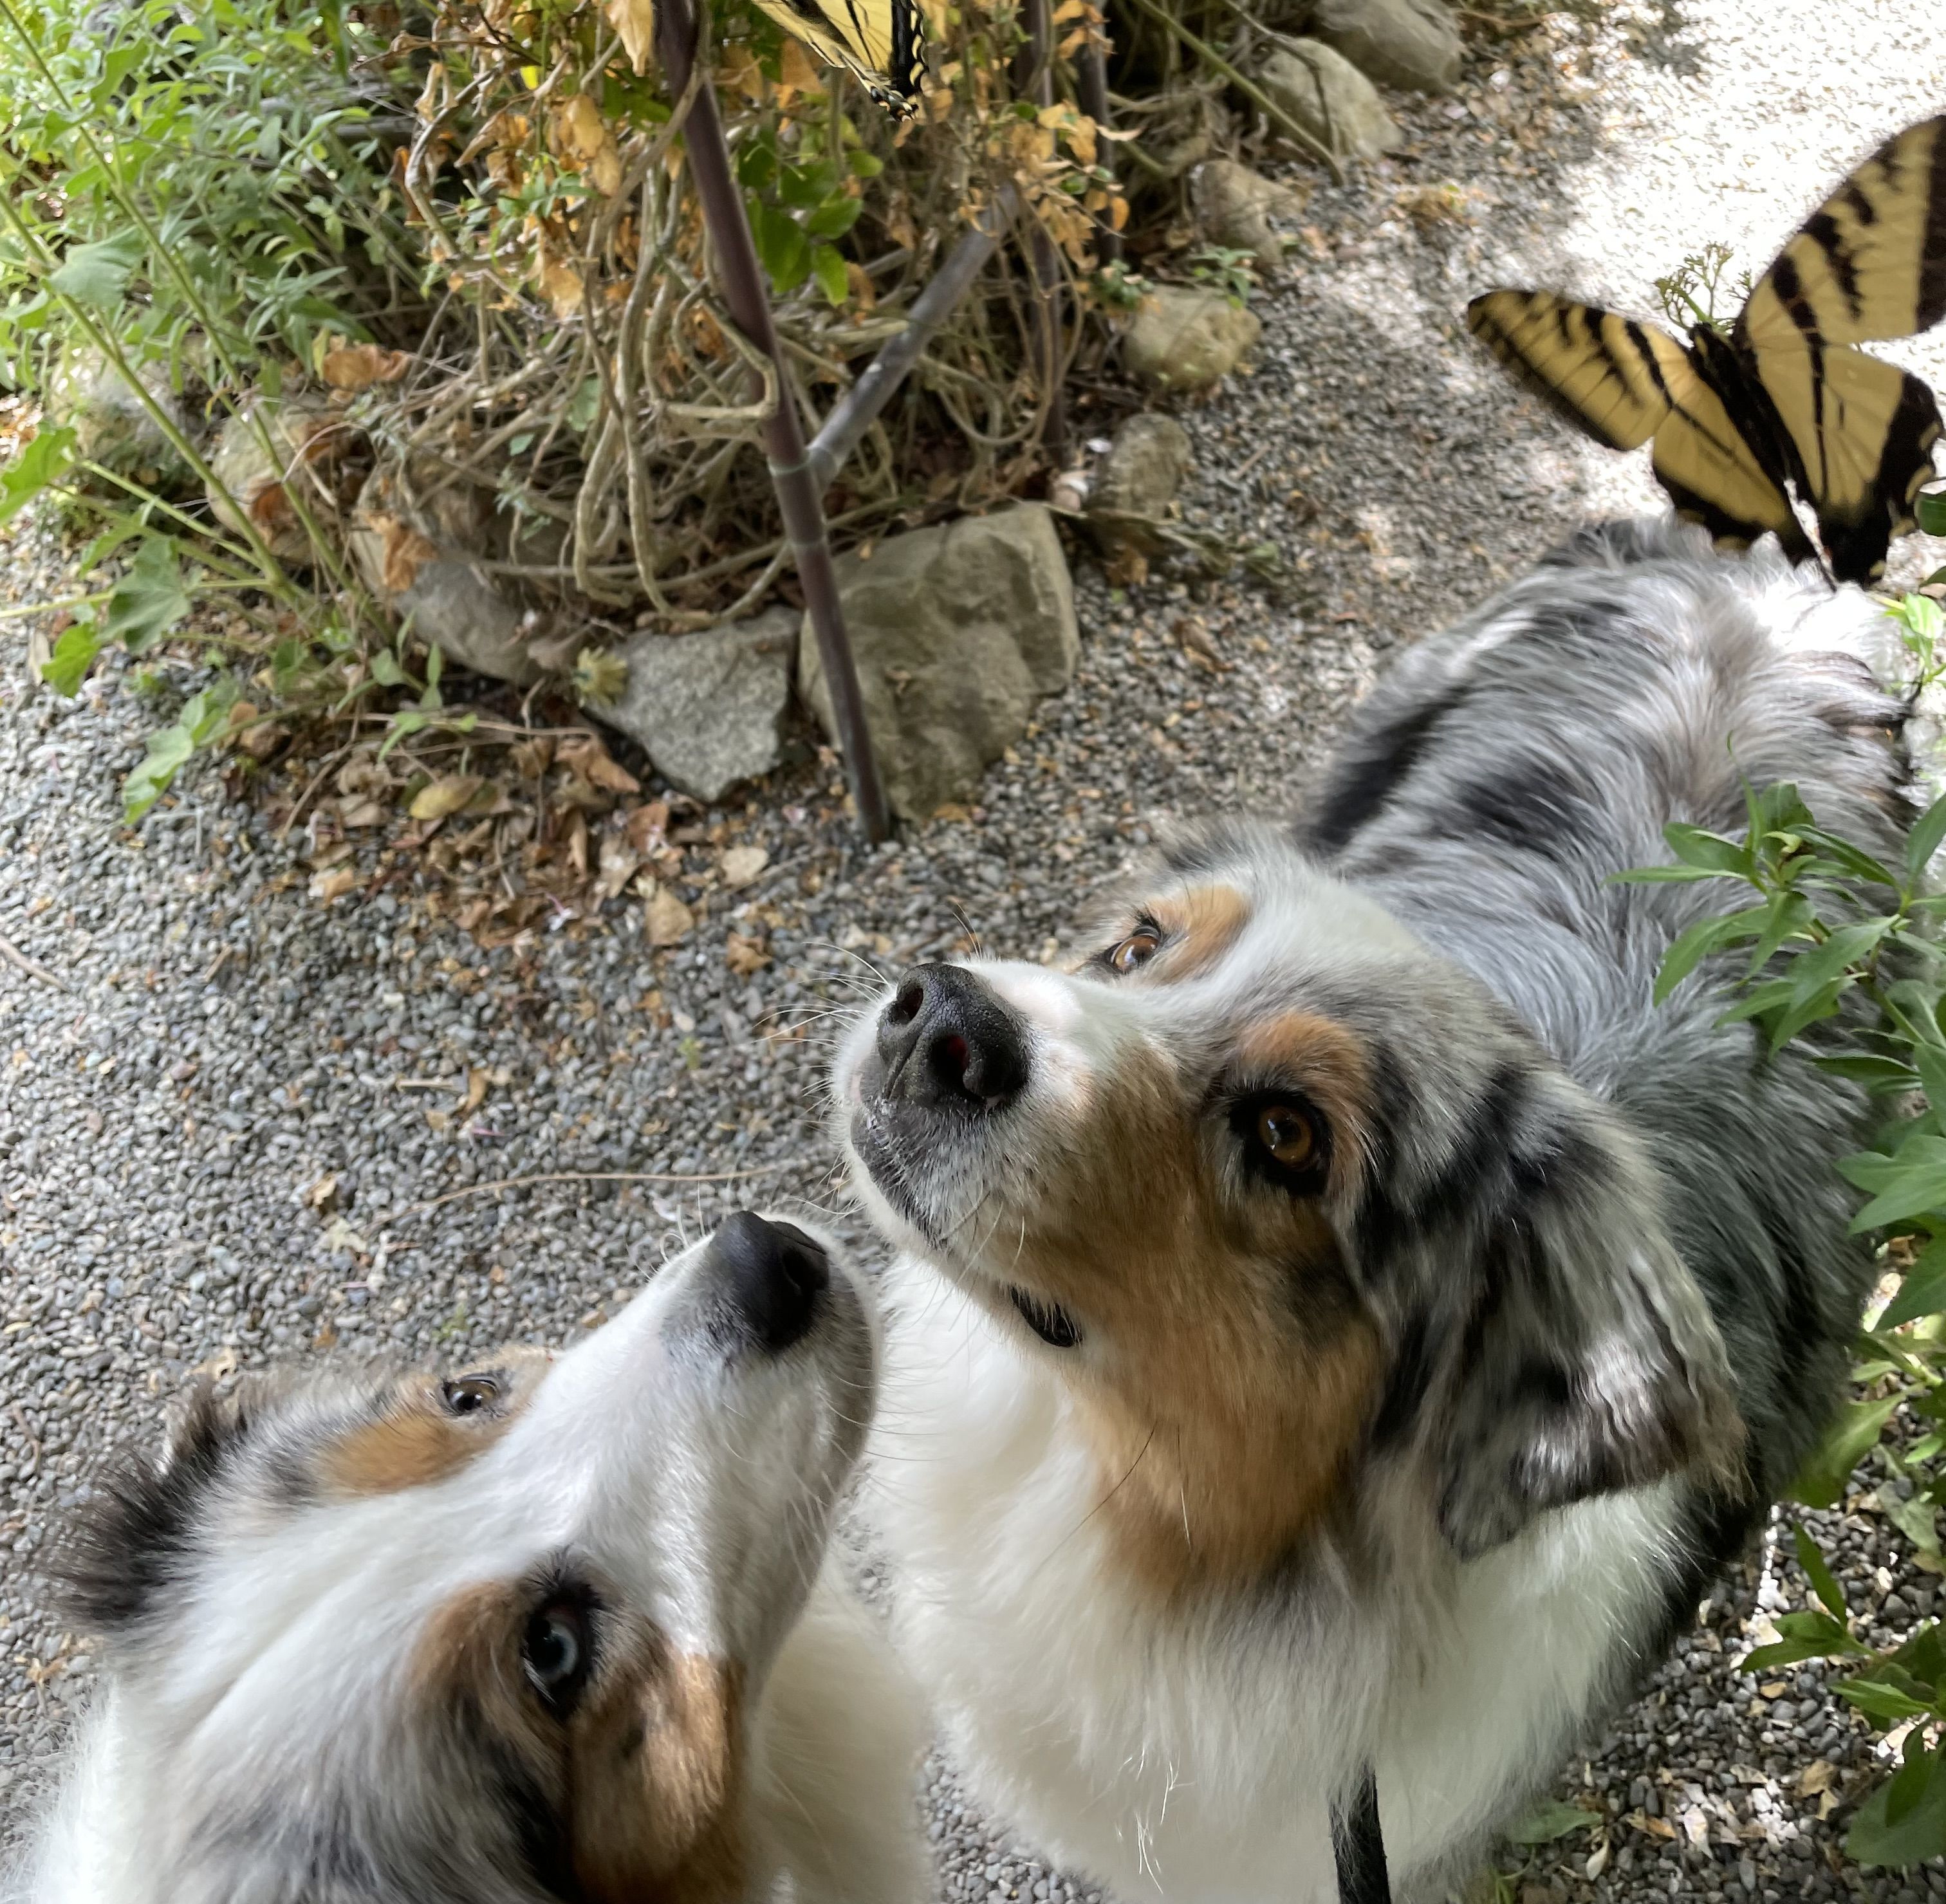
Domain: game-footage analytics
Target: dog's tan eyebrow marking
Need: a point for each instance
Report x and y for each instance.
(1202, 925)
(1328, 1062)
(413, 1442)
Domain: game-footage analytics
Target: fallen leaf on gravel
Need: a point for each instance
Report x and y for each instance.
(619, 861)
(585, 755)
(577, 843)
(439, 1120)
(745, 956)
(665, 920)
(1598, 1861)
(1772, 1688)
(477, 1081)
(326, 886)
(358, 366)
(321, 1194)
(445, 796)
(364, 813)
(1816, 1777)
(362, 775)
(647, 826)
(742, 864)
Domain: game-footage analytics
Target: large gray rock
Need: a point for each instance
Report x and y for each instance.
(1413, 44)
(1234, 206)
(111, 425)
(958, 633)
(423, 561)
(707, 708)
(1183, 338)
(1330, 98)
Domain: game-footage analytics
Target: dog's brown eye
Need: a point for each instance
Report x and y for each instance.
(468, 1394)
(1137, 950)
(1288, 1134)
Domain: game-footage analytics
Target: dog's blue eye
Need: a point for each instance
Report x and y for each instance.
(555, 1652)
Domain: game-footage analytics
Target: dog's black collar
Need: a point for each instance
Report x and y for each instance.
(1358, 1847)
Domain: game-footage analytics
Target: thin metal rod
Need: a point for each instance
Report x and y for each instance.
(851, 418)
(1091, 88)
(1037, 56)
(797, 490)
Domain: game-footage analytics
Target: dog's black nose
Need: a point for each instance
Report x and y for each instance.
(946, 1041)
(772, 1274)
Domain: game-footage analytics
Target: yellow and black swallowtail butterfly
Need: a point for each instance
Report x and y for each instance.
(1783, 402)
(878, 42)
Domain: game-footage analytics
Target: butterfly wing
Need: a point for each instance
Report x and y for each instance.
(1607, 375)
(879, 42)
(1864, 431)
(1624, 382)
(1870, 262)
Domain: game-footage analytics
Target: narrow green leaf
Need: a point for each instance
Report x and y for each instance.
(1822, 1480)
(1885, 1703)
(1923, 840)
(1806, 1009)
(1916, 1185)
(1877, 1075)
(1706, 935)
(1663, 875)
(1695, 847)
(1811, 1558)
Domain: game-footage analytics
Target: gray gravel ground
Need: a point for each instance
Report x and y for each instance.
(212, 1044)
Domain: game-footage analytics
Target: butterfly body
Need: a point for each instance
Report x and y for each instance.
(879, 42)
(1784, 402)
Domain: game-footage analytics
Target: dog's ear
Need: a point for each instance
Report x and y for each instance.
(1588, 1361)
(134, 1533)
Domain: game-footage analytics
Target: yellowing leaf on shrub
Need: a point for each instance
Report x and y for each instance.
(358, 366)
(445, 796)
(580, 138)
(797, 73)
(560, 283)
(635, 21)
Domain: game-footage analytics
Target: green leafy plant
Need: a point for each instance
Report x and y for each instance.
(1829, 922)
(1233, 272)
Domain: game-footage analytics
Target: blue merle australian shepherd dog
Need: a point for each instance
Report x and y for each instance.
(1341, 1319)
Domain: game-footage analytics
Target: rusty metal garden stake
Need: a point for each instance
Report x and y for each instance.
(1035, 62)
(1091, 94)
(799, 493)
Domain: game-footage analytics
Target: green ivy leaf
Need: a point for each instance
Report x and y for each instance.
(42, 462)
(829, 269)
(97, 275)
(782, 247)
(1554, 1820)
(167, 751)
(149, 601)
(74, 654)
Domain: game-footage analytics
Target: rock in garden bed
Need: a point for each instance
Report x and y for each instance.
(1184, 337)
(959, 632)
(1326, 95)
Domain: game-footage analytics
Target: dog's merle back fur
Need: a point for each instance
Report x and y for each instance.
(1502, 772)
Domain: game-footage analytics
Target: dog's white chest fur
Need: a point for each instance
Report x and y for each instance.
(1186, 1752)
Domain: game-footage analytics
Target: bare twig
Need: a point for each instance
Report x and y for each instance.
(32, 967)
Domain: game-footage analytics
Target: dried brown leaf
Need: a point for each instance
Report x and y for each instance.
(665, 920)
(445, 796)
(744, 956)
(618, 865)
(327, 887)
(635, 21)
(585, 755)
(647, 826)
(403, 552)
(358, 366)
(742, 864)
